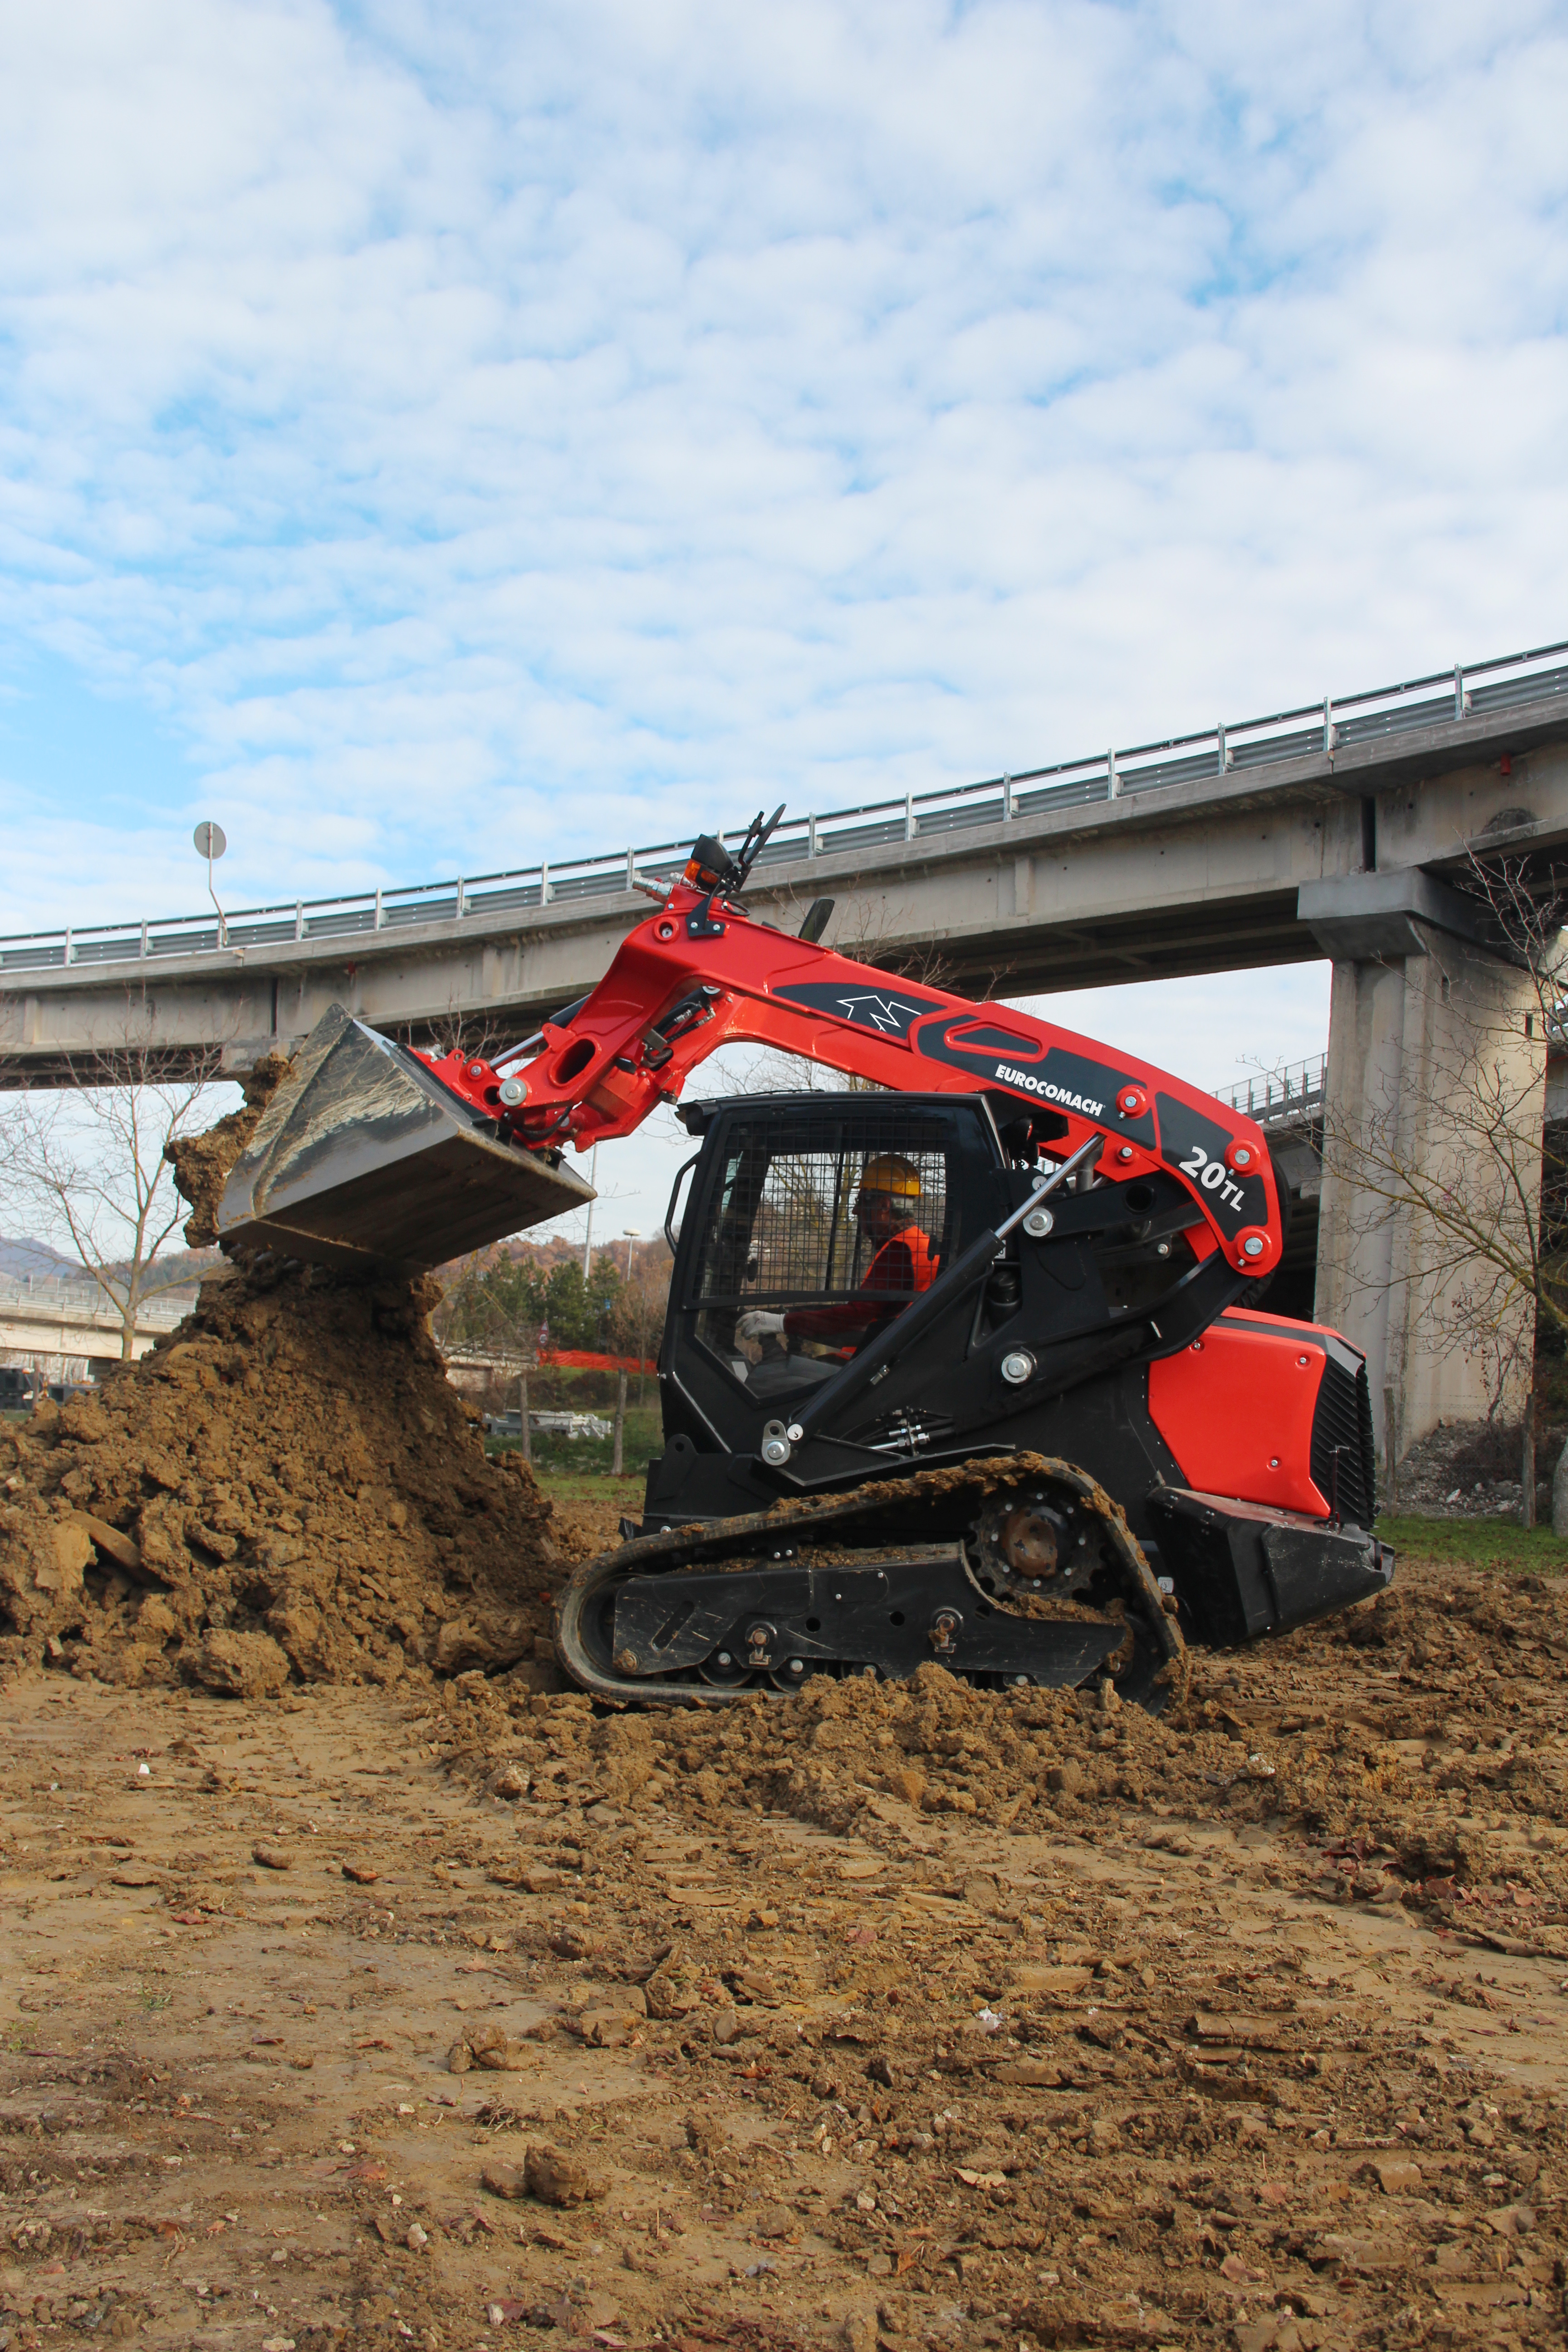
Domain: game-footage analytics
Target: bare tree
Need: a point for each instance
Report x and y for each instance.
(85, 1163)
(637, 1316)
(1439, 1171)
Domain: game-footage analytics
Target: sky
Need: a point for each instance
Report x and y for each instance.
(437, 437)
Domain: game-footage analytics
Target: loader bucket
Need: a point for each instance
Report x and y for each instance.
(363, 1158)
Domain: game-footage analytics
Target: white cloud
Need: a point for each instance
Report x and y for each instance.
(473, 432)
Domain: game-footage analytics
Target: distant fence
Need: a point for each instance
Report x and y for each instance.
(1444, 696)
(1290, 1095)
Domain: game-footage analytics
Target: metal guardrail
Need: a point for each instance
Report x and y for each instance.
(1318, 727)
(1283, 1097)
(85, 1302)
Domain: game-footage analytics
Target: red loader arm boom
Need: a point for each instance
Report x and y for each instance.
(701, 972)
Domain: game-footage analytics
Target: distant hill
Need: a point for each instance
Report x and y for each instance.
(559, 1251)
(19, 1258)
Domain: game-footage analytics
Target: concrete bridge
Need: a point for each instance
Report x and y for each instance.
(1186, 856)
(59, 1323)
(1335, 829)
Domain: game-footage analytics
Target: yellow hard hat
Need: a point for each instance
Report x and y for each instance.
(889, 1172)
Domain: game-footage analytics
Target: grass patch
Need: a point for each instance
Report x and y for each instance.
(1476, 1543)
(593, 1487)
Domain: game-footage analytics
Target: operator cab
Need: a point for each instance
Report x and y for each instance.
(812, 1219)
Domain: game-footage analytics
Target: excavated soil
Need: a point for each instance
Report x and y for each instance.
(289, 1488)
(201, 1162)
(463, 2016)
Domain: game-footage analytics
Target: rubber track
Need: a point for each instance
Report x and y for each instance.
(739, 1543)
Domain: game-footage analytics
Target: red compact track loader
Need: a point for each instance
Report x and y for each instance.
(967, 1367)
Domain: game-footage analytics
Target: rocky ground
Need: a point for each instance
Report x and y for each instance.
(1473, 1470)
(450, 2013)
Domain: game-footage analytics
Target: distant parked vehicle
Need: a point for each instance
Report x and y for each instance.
(548, 1424)
(67, 1391)
(17, 1389)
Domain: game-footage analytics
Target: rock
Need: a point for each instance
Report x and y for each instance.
(1066, 1778)
(1059, 1980)
(510, 1781)
(774, 2222)
(272, 1858)
(459, 2058)
(136, 1874)
(480, 1640)
(59, 1556)
(361, 1873)
(572, 1944)
(1398, 2176)
(607, 2026)
(239, 1665)
(494, 2049)
(320, 1649)
(857, 2333)
(909, 1786)
(981, 1892)
(880, 2069)
(503, 2180)
(155, 1620)
(556, 2178)
(214, 1542)
(109, 1541)
(671, 1990)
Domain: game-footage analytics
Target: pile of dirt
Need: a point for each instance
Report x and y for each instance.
(288, 1487)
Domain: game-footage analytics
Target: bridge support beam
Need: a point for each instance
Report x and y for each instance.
(1435, 1098)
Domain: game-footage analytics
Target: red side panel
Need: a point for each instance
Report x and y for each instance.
(1236, 1409)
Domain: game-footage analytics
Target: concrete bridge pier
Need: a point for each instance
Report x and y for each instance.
(1434, 1092)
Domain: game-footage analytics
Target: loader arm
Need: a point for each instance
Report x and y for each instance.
(702, 973)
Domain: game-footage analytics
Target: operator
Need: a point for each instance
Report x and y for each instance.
(901, 1267)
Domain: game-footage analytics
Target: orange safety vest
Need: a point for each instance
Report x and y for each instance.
(901, 1268)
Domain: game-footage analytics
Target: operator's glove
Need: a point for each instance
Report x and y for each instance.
(758, 1324)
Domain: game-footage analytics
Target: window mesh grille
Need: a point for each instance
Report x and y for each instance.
(783, 1227)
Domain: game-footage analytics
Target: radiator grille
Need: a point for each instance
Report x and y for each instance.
(1344, 1420)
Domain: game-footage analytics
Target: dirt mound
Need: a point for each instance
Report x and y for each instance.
(288, 1487)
